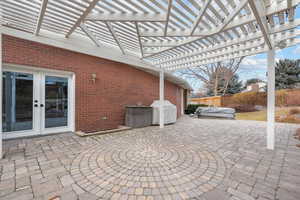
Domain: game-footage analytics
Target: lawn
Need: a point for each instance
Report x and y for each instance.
(262, 115)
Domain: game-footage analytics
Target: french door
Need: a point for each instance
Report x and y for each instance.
(36, 102)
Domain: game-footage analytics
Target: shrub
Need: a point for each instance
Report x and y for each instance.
(293, 97)
(248, 98)
(294, 111)
(191, 108)
(281, 97)
(288, 119)
(242, 108)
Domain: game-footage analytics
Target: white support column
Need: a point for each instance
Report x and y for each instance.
(182, 100)
(0, 93)
(271, 100)
(161, 99)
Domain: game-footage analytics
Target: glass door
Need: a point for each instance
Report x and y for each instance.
(17, 101)
(55, 102)
(36, 102)
(19, 104)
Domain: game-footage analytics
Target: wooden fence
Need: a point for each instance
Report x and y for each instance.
(215, 101)
(288, 97)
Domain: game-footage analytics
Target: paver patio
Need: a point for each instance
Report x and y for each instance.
(193, 159)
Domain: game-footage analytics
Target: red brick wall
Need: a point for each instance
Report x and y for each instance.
(117, 84)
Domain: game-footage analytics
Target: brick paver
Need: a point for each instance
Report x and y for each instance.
(193, 159)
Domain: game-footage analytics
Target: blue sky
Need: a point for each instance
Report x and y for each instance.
(256, 66)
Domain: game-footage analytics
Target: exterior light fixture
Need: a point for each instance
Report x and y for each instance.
(94, 77)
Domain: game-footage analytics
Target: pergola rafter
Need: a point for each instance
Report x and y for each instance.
(89, 34)
(111, 29)
(258, 9)
(199, 17)
(41, 16)
(82, 17)
(213, 24)
(236, 41)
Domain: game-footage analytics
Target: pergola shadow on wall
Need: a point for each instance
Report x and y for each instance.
(164, 35)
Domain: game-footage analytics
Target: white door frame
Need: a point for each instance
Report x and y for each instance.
(38, 93)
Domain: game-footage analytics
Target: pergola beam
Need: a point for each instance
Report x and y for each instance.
(151, 51)
(82, 17)
(226, 44)
(127, 17)
(90, 34)
(218, 56)
(115, 36)
(41, 16)
(282, 6)
(258, 9)
(167, 17)
(200, 16)
(139, 39)
(237, 54)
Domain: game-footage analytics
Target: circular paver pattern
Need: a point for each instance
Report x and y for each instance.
(147, 166)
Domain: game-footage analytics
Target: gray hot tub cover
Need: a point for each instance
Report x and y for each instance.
(215, 112)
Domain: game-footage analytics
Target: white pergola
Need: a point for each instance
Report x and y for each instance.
(165, 35)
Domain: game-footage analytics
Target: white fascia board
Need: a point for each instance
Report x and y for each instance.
(79, 44)
(127, 17)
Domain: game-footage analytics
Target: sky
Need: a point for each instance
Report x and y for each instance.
(256, 66)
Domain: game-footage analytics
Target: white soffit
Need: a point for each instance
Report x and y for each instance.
(169, 34)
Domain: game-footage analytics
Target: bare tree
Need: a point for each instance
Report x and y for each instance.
(216, 76)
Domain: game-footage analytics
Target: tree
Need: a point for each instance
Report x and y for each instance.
(234, 86)
(216, 77)
(287, 73)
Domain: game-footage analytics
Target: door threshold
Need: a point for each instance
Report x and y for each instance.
(36, 136)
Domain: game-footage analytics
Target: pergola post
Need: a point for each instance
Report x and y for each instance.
(271, 100)
(1, 93)
(161, 99)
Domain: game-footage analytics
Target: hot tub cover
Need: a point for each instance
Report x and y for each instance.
(215, 112)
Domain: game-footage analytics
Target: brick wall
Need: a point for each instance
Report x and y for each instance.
(117, 84)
